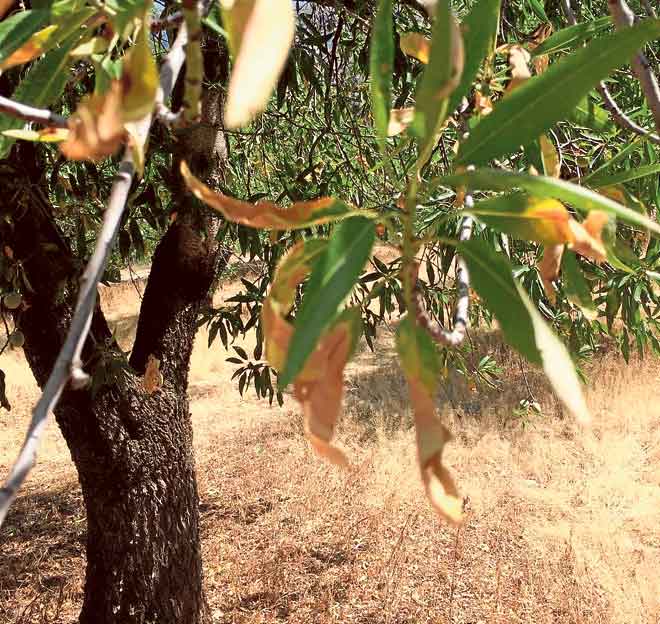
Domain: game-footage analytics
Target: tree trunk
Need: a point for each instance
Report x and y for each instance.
(132, 450)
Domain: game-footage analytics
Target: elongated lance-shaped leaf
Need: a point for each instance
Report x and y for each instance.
(572, 36)
(332, 279)
(479, 31)
(441, 76)
(268, 215)
(41, 87)
(622, 177)
(581, 198)
(260, 36)
(521, 323)
(543, 100)
(380, 67)
(319, 386)
(17, 29)
(421, 366)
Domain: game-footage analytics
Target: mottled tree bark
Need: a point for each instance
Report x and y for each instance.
(132, 450)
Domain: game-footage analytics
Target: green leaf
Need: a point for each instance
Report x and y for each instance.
(571, 37)
(490, 275)
(624, 176)
(333, 276)
(543, 100)
(418, 354)
(18, 28)
(432, 98)
(380, 68)
(581, 198)
(522, 325)
(589, 115)
(42, 86)
(538, 9)
(479, 33)
(576, 286)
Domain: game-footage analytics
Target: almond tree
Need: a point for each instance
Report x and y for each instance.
(130, 434)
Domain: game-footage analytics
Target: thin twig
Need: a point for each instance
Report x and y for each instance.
(68, 363)
(455, 337)
(649, 9)
(623, 17)
(619, 117)
(30, 113)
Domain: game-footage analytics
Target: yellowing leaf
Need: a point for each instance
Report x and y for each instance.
(266, 214)
(416, 45)
(400, 119)
(139, 79)
(587, 236)
(95, 130)
(550, 157)
(153, 378)
(319, 386)
(537, 38)
(421, 367)
(261, 32)
(5, 5)
(549, 269)
(47, 135)
(95, 45)
(432, 436)
(35, 46)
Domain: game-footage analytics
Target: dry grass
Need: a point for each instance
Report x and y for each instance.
(563, 526)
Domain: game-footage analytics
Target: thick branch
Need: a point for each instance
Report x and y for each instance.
(30, 113)
(68, 365)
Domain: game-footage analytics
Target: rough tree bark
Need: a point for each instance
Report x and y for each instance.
(132, 450)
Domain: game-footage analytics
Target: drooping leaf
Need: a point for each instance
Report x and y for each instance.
(538, 9)
(96, 129)
(139, 79)
(17, 29)
(332, 279)
(549, 157)
(580, 197)
(548, 267)
(522, 325)
(319, 386)
(380, 68)
(479, 30)
(543, 100)
(421, 367)
(519, 66)
(267, 215)
(576, 286)
(254, 27)
(572, 36)
(441, 76)
(416, 45)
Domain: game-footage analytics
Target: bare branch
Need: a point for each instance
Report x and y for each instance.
(68, 363)
(623, 17)
(456, 336)
(30, 113)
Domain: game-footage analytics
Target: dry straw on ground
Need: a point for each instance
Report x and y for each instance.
(563, 526)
